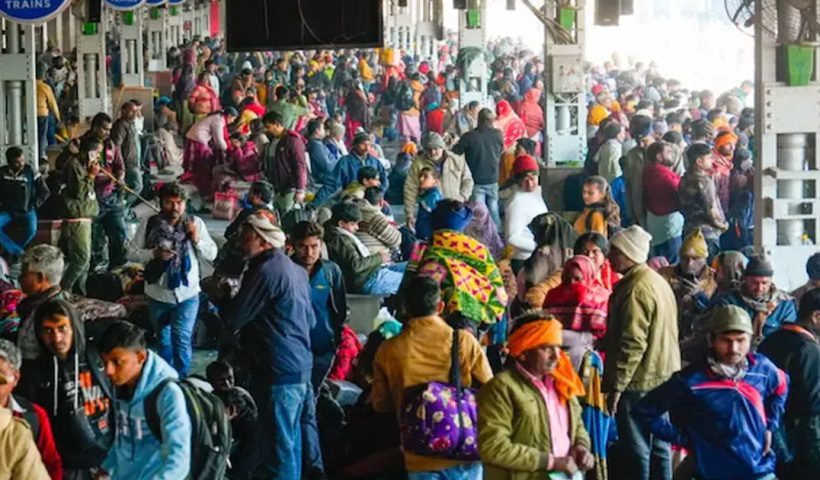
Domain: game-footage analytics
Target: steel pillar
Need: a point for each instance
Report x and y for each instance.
(174, 30)
(18, 95)
(475, 76)
(424, 45)
(400, 27)
(68, 31)
(787, 183)
(157, 38)
(566, 112)
(92, 79)
(187, 24)
(132, 60)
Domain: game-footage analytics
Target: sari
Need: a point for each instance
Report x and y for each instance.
(510, 125)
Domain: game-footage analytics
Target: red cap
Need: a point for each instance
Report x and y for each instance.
(597, 88)
(525, 164)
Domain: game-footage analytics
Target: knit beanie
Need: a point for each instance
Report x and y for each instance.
(525, 164)
(759, 266)
(633, 242)
(694, 245)
(433, 140)
(445, 217)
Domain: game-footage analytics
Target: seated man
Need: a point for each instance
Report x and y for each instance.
(230, 260)
(22, 192)
(375, 229)
(768, 306)
(795, 348)
(723, 408)
(692, 281)
(34, 415)
(138, 453)
(541, 383)
(366, 273)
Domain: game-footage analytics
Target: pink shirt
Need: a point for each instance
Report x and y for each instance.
(557, 413)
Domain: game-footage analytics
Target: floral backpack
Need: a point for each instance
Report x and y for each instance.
(439, 419)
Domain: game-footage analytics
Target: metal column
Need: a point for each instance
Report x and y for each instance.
(475, 76)
(131, 52)
(787, 182)
(18, 95)
(92, 80)
(157, 38)
(174, 27)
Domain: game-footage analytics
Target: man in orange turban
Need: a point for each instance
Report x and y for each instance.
(529, 419)
(724, 153)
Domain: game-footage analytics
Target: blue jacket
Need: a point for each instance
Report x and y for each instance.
(137, 454)
(346, 172)
(274, 316)
(784, 312)
(722, 422)
(329, 300)
(321, 163)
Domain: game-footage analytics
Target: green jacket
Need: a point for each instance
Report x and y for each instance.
(514, 431)
(79, 197)
(356, 268)
(642, 348)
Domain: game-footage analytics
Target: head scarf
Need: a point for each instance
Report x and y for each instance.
(538, 333)
(483, 229)
(445, 218)
(410, 148)
(694, 245)
(267, 230)
(581, 307)
(729, 267)
(509, 123)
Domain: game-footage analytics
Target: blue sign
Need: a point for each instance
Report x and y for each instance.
(32, 11)
(124, 4)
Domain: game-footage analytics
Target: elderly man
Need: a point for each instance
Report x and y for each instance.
(347, 168)
(514, 439)
(124, 135)
(768, 306)
(692, 281)
(171, 245)
(641, 352)
(42, 272)
(725, 408)
(273, 315)
(456, 181)
(796, 349)
(640, 128)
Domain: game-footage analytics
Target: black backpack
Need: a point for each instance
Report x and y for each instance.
(404, 98)
(210, 429)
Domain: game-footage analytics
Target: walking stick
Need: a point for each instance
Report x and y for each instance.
(130, 190)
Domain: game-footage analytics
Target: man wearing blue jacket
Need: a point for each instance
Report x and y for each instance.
(724, 407)
(273, 314)
(347, 168)
(135, 373)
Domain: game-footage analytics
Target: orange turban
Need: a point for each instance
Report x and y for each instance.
(725, 139)
(547, 332)
(410, 149)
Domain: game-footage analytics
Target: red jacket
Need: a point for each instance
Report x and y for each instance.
(37, 419)
(660, 189)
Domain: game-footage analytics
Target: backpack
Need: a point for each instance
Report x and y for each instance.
(210, 428)
(404, 98)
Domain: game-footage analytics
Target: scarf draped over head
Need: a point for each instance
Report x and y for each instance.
(580, 306)
(162, 233)
(538, 333)
(511, 126)
(729, 268)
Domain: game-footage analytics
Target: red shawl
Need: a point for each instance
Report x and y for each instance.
(510, 125)
(531, 112)
(581, 307)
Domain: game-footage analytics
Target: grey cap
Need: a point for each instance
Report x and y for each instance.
(432, 140)
(730, 318)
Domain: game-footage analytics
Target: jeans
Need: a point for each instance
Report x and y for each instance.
(642, 456)
(110, 224)
(133, 178)
(386, 280)
(284, 413)
(174, 325)
(27, 221)
(468, 471)
(75, 241)
(42, 136)
(488, 194)
(669, 249)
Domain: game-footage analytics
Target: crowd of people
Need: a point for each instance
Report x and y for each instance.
(635, 334)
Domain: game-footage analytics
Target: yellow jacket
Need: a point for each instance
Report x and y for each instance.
(46, 100)
(418, 355)
(597, 222)
(365, 71)
(19, 457)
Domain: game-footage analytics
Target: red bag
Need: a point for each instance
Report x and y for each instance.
(226, 205)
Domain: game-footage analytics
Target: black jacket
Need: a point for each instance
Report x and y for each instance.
(81, 444)
(482, 149)
(23, 191)
(797, 354)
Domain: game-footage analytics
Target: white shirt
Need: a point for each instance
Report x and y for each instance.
(206, 249)
(521, 209)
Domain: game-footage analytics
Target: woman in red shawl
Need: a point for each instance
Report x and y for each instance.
(508, 122)
(596, 247)
(532, 114)
(203, 100)
(580, 304)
